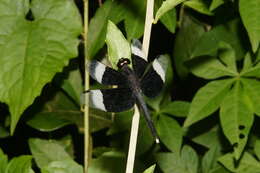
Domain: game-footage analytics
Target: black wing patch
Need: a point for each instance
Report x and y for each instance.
(104, 74)
(153, 81)
(138, 58)
(112, 100)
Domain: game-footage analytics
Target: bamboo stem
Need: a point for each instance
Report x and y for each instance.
(136, 117)
(133, 141)
(86, 108)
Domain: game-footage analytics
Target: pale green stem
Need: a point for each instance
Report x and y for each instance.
(136, 117)
(86, 108)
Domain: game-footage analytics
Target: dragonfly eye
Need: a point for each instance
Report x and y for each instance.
(122, 62)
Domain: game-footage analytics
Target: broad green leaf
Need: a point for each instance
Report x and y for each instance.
(186, 41)
(176, 108)
(249, 12)
(169, 19)
(199, 5)
(209, 160)
(47, 151)
(190, 158)
(257, 148)
(3, 161)
(170, 163)
(63, 166)
(145, 139)
(215, 4)
(110, 10)
(236, 118)
(227, 55)
(48, 121)
(134, 18)
(247, 164)
(109, 162)
(165, 7)
(209, 68)
(4, 132)
(212, 41)
(27, 65)
(117, 45)
(247, 64)
(150, 169)
(174, 163)
(208, 139)
(56, 113)
(252, 90)
(170, 133)
(252, 72)
(20, 164)
(207, 100)
(73, 85)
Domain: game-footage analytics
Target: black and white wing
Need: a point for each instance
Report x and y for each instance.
(138, 58)
(153, 81)
(105, 75)
(112, 100)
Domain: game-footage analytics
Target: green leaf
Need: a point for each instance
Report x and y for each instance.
(249, 12)
(207, 100)
(236, 118)
(212, 41)
(252, 90)
(27, 65)
(150, 169)
(252, 72)
(170, 133)
(208, 139)
(209, 160)
(73, 85)
(174, 163)
(3, 161)
(117, 45)
(4, 132)
(165, 7)
(247, 64)
(215, 4)
(48, 121)
(199, 5)
(20, 164)
(109, 162)
(135, 18)
(176, 108)
(63, 166)
(257, 148)
(209, 68)
(188, 35)
(110, 10)
(169, 19)
(247, 164)
(47, 151)
(58, 112)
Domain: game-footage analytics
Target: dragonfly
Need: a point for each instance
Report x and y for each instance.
(131, 84)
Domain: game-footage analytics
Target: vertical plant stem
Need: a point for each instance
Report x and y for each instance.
(133, 141)
(136, 117)
(148, 26)
(86, 108)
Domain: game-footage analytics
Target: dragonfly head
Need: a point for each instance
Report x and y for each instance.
(122, 62)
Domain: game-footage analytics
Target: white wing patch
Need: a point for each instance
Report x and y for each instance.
(159, 69)
(99, 72)
(137, 51)
(96, 100)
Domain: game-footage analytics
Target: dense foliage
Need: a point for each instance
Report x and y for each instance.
(207, 115)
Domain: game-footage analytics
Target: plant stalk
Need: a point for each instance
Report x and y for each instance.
(86, 108)
(135, 121)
